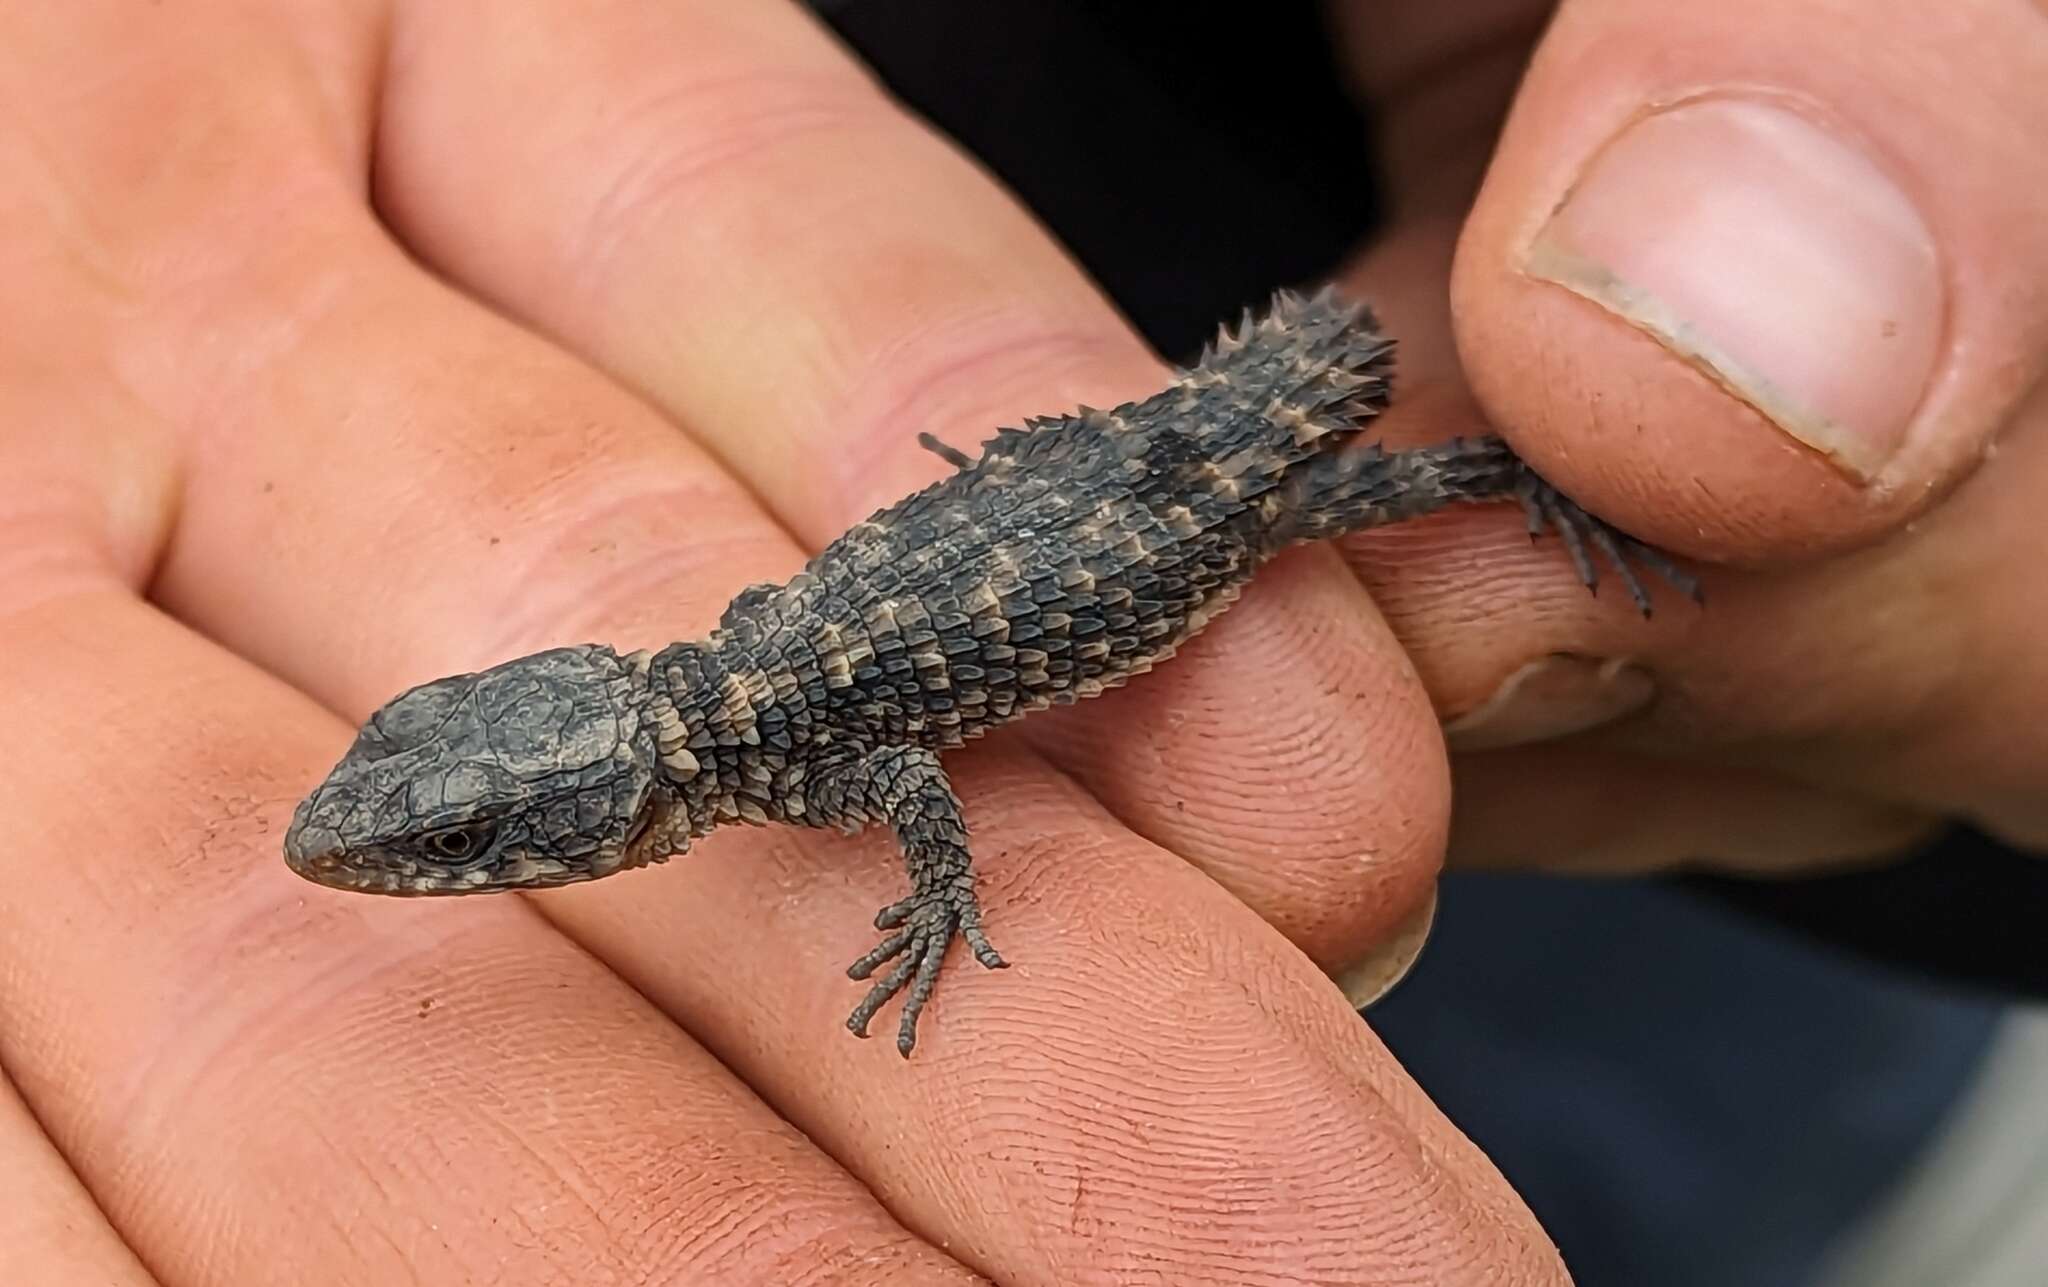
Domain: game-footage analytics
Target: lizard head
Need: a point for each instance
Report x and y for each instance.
(539, 772)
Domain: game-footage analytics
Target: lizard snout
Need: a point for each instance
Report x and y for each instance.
(311, 848)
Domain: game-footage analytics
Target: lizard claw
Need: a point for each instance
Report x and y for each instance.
(1546, 507)
(895, 914)
(930, 920)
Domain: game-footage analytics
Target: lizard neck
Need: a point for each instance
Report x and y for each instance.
(743, 728)
(672, 698)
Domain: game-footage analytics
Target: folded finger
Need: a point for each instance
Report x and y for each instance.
(51, 1231)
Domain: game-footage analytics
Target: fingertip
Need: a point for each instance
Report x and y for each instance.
(1735, 299)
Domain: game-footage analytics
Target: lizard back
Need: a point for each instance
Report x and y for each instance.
(1076, 551)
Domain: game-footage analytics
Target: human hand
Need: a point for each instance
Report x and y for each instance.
(319, 326)
(1794, 322)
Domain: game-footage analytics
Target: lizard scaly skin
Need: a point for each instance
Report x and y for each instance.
(1073, 554)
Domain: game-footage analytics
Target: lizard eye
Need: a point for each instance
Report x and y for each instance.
(458, 844)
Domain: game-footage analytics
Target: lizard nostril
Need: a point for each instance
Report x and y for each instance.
(309, 849)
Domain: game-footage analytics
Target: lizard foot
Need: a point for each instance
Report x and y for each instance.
(1546, 507)
(926, 923)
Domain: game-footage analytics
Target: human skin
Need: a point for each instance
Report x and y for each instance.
(1859, 172)
(350, 344)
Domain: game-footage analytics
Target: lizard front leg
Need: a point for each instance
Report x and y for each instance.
(906, 787)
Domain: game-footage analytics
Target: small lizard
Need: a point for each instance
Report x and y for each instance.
(1074, 553)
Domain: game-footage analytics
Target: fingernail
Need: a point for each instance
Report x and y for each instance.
(1772, 254)
(1550, 698)
(1365, 983)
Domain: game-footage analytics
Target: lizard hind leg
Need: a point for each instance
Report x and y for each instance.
(952, 455)
(1368, 484)
(1546, 507)
(907, 787)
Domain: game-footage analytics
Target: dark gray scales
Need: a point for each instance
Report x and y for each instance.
(1070, 555)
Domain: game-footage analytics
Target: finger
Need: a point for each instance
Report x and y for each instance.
(50, 1229)
(1911, 672)
(806, 278)
(259, 1085)
(1906, 673)
(1506, 640)
(1233, 1061)
(1751, 302)
(1902, 671)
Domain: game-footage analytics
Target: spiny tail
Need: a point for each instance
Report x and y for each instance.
(1286, 386)
(1368, 485)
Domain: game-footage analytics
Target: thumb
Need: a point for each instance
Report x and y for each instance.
(1760, 279)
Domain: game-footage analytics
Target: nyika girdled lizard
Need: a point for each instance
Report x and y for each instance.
(1072, 554)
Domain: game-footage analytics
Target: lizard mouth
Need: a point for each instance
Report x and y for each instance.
(316, 853)
(656, 835)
